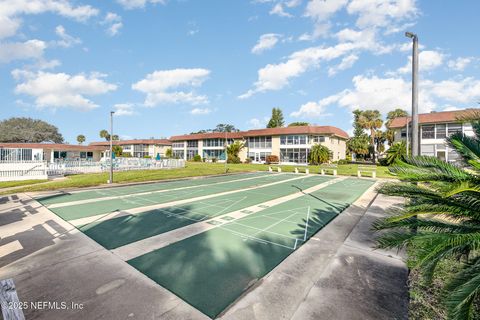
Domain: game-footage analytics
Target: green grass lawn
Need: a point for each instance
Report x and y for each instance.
(192, 169)
(10, 184)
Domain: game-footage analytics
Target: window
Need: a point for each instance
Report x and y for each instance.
(294, 140)
(454, 128)
(441, 131)
(295, 155)
(403, 133)
(83, 155)
(428, 132)
(14, 154)
(177, 154)
(178, 145)
(191, 153)
(214, 142)
(318, 139)
(427, 150)
(192, 144)
(218, 154)
(260, 142)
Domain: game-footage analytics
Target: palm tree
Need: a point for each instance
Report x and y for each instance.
(396, 152)
(81, 139)
(319, 154)
(104, 134)
(442, 218)
(371, 120)
(233, 150)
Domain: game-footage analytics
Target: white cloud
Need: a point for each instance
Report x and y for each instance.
(66, 40)
(320, 11)
(386, 94)
(59, 90)
(256, 123)
(159, 86)
(135, 4)
(266, 42)
(124, 109)
(315, 109)
(346, 63)
(382, 13)
(427, 60)
(200, 111)
(459, 64)
(277, 76)
(293, 3)
(11, 10)
(31, 49)
(279, 11)
(113, 22)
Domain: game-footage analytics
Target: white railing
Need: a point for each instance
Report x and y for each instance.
(10, 171)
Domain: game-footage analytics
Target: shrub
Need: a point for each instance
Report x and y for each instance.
(233, 159)
(343, 161)
(248, 160)
(126, 155)
(214, 160)
(197, 158)
(383, 162)
(147, 157)
(319, 154)
(396, 152)
(272, 159)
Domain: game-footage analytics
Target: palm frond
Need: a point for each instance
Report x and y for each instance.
(462, 290)
(467, 147)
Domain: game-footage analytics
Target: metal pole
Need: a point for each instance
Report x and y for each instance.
(226, 157)
(415, 144)
(111, 147)
(408, 138)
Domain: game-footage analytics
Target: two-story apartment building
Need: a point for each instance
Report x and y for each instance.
(139, 148)
(435, 127)
(291, 144)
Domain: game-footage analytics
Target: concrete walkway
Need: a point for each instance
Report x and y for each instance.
(335, 275)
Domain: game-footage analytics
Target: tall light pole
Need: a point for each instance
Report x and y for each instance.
(415, 144)
(111, 147)
(226, 147)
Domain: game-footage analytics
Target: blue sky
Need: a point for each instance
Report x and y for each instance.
(175, 66)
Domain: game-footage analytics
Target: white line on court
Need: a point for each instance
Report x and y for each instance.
(141, 247)
(134, 211)
(110, 197)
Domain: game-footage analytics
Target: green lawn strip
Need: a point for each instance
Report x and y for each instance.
(105, 206)
(126, 190)
(120, 231)
(192, 169)
(11, 184)
(212, 269)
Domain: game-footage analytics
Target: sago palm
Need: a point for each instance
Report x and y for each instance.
(441, 218)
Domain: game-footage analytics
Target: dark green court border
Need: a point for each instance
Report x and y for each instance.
(78, 211)
(121, 231)
(212, 269)
(139, 188)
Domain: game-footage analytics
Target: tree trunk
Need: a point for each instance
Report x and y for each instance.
(372, 137)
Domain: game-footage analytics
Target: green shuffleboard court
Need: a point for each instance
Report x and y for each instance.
(214, 268)
(123, 230)
(148, 187)
(125, 202)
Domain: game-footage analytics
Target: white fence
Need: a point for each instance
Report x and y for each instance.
(26, 170)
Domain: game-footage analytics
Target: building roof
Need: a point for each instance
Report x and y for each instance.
(54, 146)
(210, 135)
(330, 130)
(266, 132)
(433, 117)
(135, 141)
